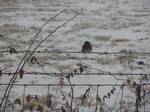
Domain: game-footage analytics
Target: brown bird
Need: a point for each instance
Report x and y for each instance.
(87, 47)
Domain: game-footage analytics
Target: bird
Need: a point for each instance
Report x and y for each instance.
(87, 47)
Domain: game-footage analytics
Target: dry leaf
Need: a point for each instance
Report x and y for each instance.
(21, 73)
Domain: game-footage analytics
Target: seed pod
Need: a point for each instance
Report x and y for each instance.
(81, 69)
(40, 108)
(129, 82)
(112, 91)
(134, 84)
(28, 99)
(31, 108)
(36, 98)
(105, 96)
(49, 101)
(102, 109)
(71, 74)
(76, 110)
(68, 77)
(33, 60)
(63, 109)
(138, 93)
(83, 98)
(85, 95)
(17, 101)
(108, 95)
(21, 73)
(98, 98)
(103, 99)
(75, 71)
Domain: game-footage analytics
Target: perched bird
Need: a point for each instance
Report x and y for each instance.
(87, 47)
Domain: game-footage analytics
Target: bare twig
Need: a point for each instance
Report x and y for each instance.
(15, 75)
(121, 101)
(28, 51)
(115, 100)
(97, 98)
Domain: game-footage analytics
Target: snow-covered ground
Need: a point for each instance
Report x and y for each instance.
(110, 25)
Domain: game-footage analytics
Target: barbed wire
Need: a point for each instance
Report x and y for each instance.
(22, 64)
(76, 52)
(78, 74)
(80, 85)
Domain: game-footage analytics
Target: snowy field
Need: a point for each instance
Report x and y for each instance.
(110, 25)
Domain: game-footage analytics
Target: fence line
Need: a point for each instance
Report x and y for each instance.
(81, 85)
(76, 52)
(78, 74)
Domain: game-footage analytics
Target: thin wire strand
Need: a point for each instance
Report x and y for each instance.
(115, 100)
(24, 90)
(121, 101)
(77, 52)
(92, 73)
(119, 85)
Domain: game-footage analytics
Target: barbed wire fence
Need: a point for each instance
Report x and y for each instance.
(19, 71)
(102, 100)
(13, 51)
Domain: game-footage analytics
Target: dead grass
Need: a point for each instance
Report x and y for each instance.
(127, 57)
(12, 28)
(102, 38)
(120, 40)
